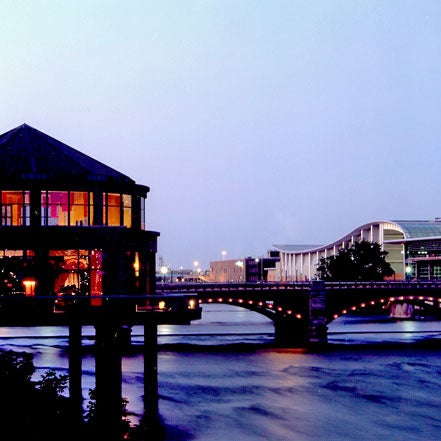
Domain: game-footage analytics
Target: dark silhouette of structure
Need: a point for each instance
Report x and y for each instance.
(74, 251)
(70, 224)
(302, 311)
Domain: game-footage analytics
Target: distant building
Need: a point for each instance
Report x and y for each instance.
(167, 274)
(414, 250)
(242, 270)
(69, 224)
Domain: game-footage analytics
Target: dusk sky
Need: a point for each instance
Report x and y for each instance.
(254, 123)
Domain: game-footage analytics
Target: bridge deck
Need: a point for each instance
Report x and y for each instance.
(129, 310)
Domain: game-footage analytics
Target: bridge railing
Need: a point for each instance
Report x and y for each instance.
(40, 305)
(228, 286)
(204, 287)
(401, 284)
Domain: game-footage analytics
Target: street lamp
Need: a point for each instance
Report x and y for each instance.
(164, 271)
(224, 253)
(195, 267)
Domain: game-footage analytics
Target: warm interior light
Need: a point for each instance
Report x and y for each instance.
(29, 286)
(136, 264)
(161, 304)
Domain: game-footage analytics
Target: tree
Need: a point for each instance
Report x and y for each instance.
(91, 418)
(31, 410)
(363, 261)
(38, 410)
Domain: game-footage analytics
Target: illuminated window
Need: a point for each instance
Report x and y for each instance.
(117, 210)
(15, 208)
(80, 208)
(127, 210)
(69, 272)
(54, 208)
(61, 208)
(96, 273)
(77, 272)
(11, 253)
(112, 209)
(142, 214)
(15, 268)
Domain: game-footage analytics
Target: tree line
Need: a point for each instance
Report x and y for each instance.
(363, 261)
(38, 411)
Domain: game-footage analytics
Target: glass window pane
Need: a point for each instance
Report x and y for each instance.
(90, 208)
(142, 213)
(96, 275)
(76, 272)
(127, 210)
(15, 208)
(54, 206)
(79, 208)
(113, 209)
(127, 200)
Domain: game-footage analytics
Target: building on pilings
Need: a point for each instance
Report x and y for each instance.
(69, 224)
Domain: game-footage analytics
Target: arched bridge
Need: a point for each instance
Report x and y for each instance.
(301, 311)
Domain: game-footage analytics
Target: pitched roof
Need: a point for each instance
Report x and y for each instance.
(26, 154)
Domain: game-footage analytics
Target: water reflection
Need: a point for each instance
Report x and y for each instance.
(348, 392)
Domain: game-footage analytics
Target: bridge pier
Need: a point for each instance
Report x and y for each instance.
(108, 376)
(108, 380)
(318, 331)
(290, 332)
(75, 370)
(310, 330)
(112, 317)
(151, 421)
(110, 341)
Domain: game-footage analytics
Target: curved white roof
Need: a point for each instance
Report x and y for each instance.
(411, 229)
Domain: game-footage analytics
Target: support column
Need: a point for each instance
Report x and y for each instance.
(151, 409)
(151, 369)
(108, 377)
(290, 332)
(318, 331)
(75, 370)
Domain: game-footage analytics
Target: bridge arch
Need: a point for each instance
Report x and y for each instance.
(267, 308)
(301, 311)
(384, 302)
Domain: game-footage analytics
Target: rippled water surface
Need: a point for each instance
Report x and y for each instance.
(214, 388)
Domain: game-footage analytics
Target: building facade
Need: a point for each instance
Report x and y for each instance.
(69, 224)
(244, 270)
(414, 250)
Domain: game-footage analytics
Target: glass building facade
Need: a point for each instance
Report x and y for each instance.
(70, 225)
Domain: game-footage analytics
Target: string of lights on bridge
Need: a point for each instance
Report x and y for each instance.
(251, 303)
(289, 312)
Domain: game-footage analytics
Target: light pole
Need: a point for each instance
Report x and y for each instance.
(164, 271)
(259, 275)
(259, 268)
(224, 253)
(195, 265)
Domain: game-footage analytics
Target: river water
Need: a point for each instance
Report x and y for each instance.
(220, 380)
